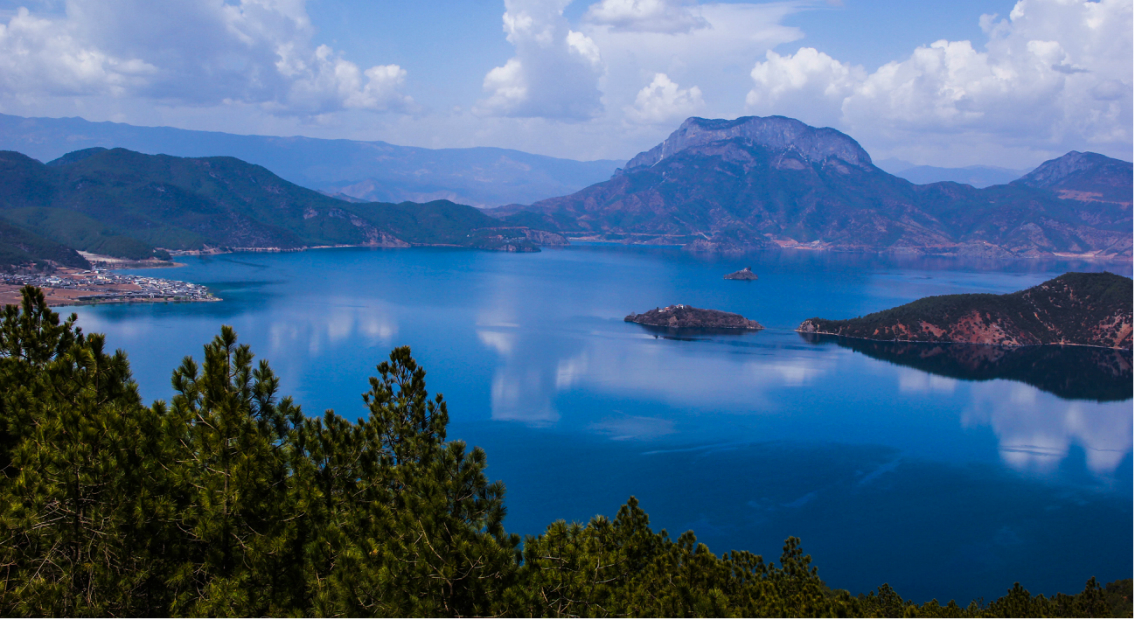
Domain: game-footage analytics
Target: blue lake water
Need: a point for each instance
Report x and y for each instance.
(943, 476)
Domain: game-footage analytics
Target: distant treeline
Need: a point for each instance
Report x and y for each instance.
(228, 500)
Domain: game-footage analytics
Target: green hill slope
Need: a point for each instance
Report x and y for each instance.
(21, 247)
(126, 204)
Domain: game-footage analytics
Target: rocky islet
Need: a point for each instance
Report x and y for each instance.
(686, 317)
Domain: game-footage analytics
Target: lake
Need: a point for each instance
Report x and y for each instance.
(945, 471)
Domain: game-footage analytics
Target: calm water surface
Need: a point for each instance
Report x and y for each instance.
(948, 473)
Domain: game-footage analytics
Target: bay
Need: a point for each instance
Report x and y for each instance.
(948, 473)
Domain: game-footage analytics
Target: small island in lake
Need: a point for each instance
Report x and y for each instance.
(1075, 309)
(686, 317)
(744, 274)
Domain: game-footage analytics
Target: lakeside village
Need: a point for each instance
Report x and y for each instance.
(77, 287)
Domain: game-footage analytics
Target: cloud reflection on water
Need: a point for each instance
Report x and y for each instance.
(1035, 430)
(1036, 433)
(625, 427)
(698, 375)
(320, 330)
(914, 381)
(689, 375)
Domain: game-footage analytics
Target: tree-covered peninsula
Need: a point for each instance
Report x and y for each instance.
(228, 500)
(1077, 309)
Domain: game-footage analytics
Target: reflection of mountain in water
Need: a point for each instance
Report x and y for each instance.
(1069, 372)
(692, 333)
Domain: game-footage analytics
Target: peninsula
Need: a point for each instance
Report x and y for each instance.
(84, 287)
(744, 274)
(1075, 309)
(686, 317)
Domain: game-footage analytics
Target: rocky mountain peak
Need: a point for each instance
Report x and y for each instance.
(1084, 176)
(1056, 172)
(776, 133)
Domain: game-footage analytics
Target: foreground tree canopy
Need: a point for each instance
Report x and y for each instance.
(228, 500)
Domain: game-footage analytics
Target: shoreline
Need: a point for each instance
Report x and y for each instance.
(101, 262)
(817, 247)
(1005, 346)
(70, 287)
(595, 240)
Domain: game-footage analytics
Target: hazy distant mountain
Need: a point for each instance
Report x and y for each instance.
(1088, 177)
(754, 182)
(127, 204)
(369, 171)
(978, 176)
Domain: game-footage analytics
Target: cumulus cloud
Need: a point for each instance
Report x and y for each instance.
(38, 57)
(1054, 74)
(663, 101)
(187, 52)
(709, 56)
(555, 71)
(327, 81)
(808, 85)
(667, 16)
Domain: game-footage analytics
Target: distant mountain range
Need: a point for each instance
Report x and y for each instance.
(755, 183)
(360, 171)
(130, 205)
(713, 185)
(979, 176)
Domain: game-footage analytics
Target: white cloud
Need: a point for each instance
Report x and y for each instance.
(582, 45)
(186, 52)
(668, 16)
(714, 57)
(37, 57)
(507, 85)
(555, 71)
(808, 85)
(327, 81)
(662, 101)
(1054, 75)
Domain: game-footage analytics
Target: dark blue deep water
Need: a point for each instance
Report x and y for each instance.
(948, 472)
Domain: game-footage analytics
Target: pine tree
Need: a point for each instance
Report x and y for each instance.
(78, 469)
(229, 501)
(417, 528)
(231, 477)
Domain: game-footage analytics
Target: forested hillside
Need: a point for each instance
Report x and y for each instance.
(227, 500)
(21, 247)
(1079, 309)
(130, 205)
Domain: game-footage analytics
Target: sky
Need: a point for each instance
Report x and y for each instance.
(950, 83)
